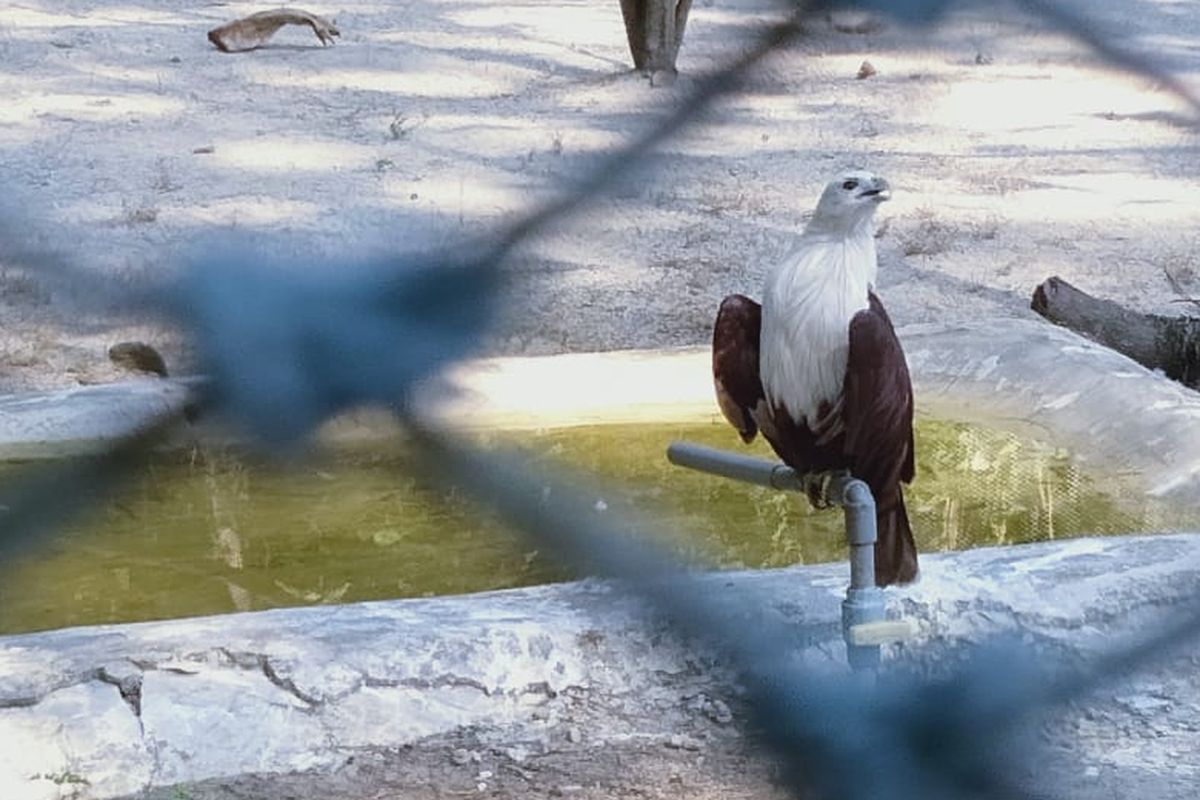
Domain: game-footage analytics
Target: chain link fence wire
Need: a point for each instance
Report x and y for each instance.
(368, 335)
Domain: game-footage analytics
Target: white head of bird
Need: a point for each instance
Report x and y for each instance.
(847, 206)
(813, 293)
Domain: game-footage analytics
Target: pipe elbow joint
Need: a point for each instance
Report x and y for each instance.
(857, 495)
(860, 513)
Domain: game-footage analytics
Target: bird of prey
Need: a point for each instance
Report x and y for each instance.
(817, 368)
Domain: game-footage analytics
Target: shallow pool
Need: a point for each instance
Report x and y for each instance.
(208, 532)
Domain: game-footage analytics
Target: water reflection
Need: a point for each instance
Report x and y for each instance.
(210, 532)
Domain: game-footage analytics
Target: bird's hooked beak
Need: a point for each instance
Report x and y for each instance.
(879, 190)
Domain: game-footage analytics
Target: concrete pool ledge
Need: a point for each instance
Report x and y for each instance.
(122, 708)
(82, 419)
(1025, 376)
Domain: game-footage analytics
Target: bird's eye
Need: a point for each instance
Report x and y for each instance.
(850, 185)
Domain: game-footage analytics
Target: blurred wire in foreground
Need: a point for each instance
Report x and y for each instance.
(286, 351)
(904, 738)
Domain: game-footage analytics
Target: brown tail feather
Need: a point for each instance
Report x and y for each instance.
(895, 550)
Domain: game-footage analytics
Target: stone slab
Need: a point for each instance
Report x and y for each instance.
(113, 709)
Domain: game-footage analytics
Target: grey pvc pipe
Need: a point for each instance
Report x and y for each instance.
(748, 469)
(864, 601)
(850, 493)
(861, 532)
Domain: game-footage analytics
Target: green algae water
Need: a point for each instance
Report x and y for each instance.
(211, 532)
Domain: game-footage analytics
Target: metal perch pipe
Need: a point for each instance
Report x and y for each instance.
(838, 487)
(747, 469)
(864, 623)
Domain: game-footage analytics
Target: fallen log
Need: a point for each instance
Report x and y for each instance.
(252, 32)
(1170, 344)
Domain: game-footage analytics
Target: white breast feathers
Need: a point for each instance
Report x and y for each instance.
(808, 303)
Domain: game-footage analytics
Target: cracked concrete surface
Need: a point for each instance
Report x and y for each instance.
(117, 710)
(286, 692)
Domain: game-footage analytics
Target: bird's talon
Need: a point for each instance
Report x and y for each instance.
(816, 486)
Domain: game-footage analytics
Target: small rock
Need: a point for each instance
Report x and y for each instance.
(866, 128)
(866, 70)
(461, 756)
(663, 77)
(142, 216)
(679, 741)
(574, 735)
(719, 712)
(207, 149)
(139, 357)
(982, 59)
(485, 774)
(175, 60)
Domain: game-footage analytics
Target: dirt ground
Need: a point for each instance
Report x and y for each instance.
(690, 752)
(697, 758)
(1013, 154)
(126, 136)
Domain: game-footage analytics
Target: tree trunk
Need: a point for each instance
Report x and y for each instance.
(1171, 344)
(655, 31)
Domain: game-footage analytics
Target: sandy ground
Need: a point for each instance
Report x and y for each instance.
(1147, 743)
(125, 135)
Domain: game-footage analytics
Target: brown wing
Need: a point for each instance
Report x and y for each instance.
(877, 408)
(877, 403)
(735, 362)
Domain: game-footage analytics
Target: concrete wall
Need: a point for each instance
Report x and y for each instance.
(125, 707)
